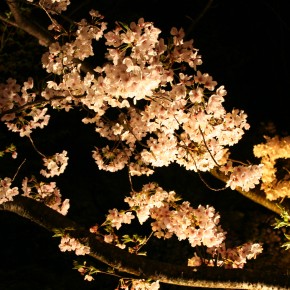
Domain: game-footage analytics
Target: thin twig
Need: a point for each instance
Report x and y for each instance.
(4, 19)
(207, 147)
(16, 173)
(200, 16)
(28, 26)
(41, 154)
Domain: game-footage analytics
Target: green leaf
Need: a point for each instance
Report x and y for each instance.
(142, 253)
(61, 232)
(281, 224)
(286, 245)
(127, 239)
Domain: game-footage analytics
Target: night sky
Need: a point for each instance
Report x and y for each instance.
(244, 46)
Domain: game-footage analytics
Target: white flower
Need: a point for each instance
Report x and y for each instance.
(6, 192)
(55, 164)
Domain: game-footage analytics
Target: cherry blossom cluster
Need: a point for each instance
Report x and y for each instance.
(228, 257)
(15, 99)
(273, 149)
(140, 67)
(165, 109)
(61, 57)
(47, 193)
(71, 244)
(117, 218)
(6, 191)
(53, 6)
(87, 277)
(200, 226)
(245, 177)
(55, 165)
(180, 103)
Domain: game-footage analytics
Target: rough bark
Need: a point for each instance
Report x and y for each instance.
(143, 267)
(27, 25)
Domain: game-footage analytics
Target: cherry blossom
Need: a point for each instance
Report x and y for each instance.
(71, 244)
(48, 193)
(245, 177)
(53, 6)
(230, 257)
(13, 97)
(55, 165)
(6, 192)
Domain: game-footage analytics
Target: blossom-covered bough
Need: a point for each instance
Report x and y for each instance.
(152, 104)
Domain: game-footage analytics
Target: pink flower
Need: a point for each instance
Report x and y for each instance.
(6, 192)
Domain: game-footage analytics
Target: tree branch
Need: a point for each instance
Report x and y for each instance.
(255, 195)
(28, 26)
(200, 16)
(142, 267)
(7, 21)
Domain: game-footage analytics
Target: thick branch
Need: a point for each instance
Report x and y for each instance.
(142, 267)
(39, 102)
(255, 195)
(28, 26)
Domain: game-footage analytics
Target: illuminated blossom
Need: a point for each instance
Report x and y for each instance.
(273, 149)
(6, 192)
(55, 165)
(47, 193)
(71, 244)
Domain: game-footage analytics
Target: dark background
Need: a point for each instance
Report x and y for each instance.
(244, 46)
